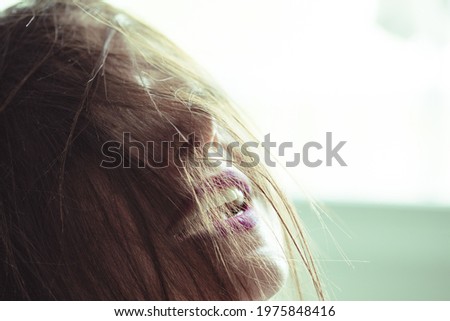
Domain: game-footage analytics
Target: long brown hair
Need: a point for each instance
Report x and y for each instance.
(74, 75)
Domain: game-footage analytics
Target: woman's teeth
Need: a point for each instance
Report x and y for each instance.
(231, 199)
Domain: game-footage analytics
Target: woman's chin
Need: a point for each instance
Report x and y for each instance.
(269, 281)
(266, 269)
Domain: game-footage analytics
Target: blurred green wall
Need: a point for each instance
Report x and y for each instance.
(394, 252)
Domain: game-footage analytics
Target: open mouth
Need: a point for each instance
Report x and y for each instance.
(230, 210)
(230, 201)
(233, 201)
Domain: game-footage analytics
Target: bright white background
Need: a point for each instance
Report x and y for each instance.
(376, 73)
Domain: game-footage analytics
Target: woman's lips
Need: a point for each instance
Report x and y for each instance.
(232, 190)
(243, 221)
(229, 180)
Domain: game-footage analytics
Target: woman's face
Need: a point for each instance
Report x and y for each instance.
(230, 239)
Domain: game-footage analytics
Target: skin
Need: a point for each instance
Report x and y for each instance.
(259, 269)
(269, 263)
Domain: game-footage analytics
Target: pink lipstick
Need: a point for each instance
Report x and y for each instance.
(234, 196)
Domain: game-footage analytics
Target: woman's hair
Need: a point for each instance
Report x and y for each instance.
(75, 76)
